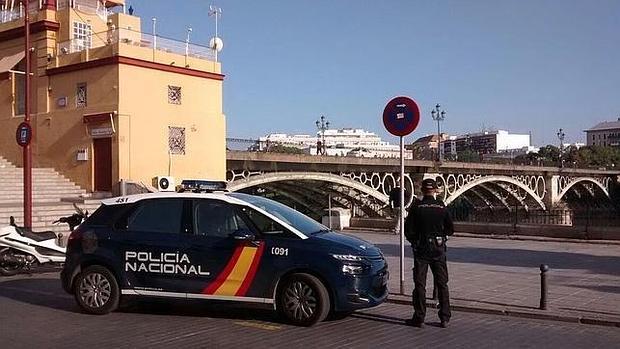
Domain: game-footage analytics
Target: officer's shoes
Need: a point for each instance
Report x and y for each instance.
(415, 323)
(444, 323)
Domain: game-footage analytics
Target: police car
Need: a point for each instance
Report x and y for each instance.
(220, 246)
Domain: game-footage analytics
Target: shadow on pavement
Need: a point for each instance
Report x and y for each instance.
(40, 291)
(523, 258)
(600, 288)
(495, 303)
(379, 318)
(47, 292)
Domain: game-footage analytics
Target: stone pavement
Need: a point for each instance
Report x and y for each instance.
(503, 276)
(37, 313)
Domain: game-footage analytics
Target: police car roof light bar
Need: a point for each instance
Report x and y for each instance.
(200, 186)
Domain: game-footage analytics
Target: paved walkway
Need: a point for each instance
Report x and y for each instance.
(504, 276)
(36, 313)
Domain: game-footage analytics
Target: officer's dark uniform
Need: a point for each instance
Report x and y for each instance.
(426, 228)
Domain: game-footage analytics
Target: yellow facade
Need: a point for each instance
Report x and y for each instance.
(128, 77)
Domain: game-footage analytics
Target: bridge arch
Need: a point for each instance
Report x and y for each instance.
(581, 180)
(494, 179)
(306, 176)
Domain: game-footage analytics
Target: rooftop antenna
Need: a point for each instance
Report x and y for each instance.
(189, 30)
(216, 44)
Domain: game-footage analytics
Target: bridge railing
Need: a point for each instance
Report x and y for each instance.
(588, 217)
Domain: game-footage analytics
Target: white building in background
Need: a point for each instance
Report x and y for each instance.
(338, 142)
(490, 142)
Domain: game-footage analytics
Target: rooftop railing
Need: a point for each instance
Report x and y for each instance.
(137, 39)
(11, 12)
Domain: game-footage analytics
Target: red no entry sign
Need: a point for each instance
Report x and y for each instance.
(401, 116)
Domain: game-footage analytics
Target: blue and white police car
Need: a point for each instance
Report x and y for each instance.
(220, 246)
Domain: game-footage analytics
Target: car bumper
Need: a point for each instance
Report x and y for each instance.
(363, 292)
(67, 275)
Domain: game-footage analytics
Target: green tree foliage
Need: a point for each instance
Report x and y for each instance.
(595, 156)
(584, 157)
(468, 155)
(279, 148)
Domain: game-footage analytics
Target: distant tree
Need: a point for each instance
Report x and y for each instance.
(279, 148)
(421, 152)
(468, 155)
(598, 156)
(549, 154)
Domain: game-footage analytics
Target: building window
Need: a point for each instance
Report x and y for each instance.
(174, 94)
(19, 89)
(81, 95)
(176, 140)
(81, 36)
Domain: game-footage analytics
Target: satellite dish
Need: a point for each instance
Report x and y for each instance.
(216, 44)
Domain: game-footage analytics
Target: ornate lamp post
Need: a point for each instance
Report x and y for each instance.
(561, 136)
(322, 124)
(438, 115)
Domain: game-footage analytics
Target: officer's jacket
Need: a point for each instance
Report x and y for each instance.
(427, 218)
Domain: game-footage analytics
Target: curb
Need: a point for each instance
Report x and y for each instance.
(513, 313)
(537, 238)
(498, 237)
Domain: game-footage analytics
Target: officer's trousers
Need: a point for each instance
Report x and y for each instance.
(439, 269)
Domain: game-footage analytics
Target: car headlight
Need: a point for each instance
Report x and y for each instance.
(348, 257)
(353, 269)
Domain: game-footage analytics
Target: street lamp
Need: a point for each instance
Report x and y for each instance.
(438, 115)
(561, 136)
(322, 124)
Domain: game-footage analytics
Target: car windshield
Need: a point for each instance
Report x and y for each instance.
(298, 220)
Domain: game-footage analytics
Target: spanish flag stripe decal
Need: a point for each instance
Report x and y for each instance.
(251, 273)
(238, 274)
(224, 274)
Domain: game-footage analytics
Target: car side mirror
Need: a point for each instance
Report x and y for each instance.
(243, 234)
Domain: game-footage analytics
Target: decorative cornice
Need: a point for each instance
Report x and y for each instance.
(35, 27)
(134, 62)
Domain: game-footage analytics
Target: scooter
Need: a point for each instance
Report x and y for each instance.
(20, 247)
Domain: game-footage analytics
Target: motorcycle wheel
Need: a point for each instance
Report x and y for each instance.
(6, 269)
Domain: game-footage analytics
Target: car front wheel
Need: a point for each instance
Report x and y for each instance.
(96, 290)
(303, 300)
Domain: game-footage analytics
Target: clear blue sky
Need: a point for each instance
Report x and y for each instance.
(519, 65)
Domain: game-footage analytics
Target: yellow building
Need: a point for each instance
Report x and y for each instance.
(109, 103)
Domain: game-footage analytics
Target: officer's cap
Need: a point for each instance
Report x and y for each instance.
(429, 184)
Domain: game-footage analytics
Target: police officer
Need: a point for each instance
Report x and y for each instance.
(427, 227)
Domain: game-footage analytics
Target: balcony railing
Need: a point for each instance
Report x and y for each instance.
(11, 13)
(8, 13)
(129, 37)
(86, 6)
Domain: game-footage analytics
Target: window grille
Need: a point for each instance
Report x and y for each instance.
(174, 94)
(81, 95)
(81, 36)
(176, 140)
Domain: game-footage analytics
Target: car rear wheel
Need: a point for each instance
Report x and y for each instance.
(303, 300)
(96, 290)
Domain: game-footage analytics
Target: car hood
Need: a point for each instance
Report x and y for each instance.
(347, 244)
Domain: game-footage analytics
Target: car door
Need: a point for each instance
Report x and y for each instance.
(230, 263)
(151, 241)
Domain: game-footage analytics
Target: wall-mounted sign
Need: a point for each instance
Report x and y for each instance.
(23, 135)
(61, 102)
(101, 132)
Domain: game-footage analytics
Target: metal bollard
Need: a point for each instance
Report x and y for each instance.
(543, 286)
